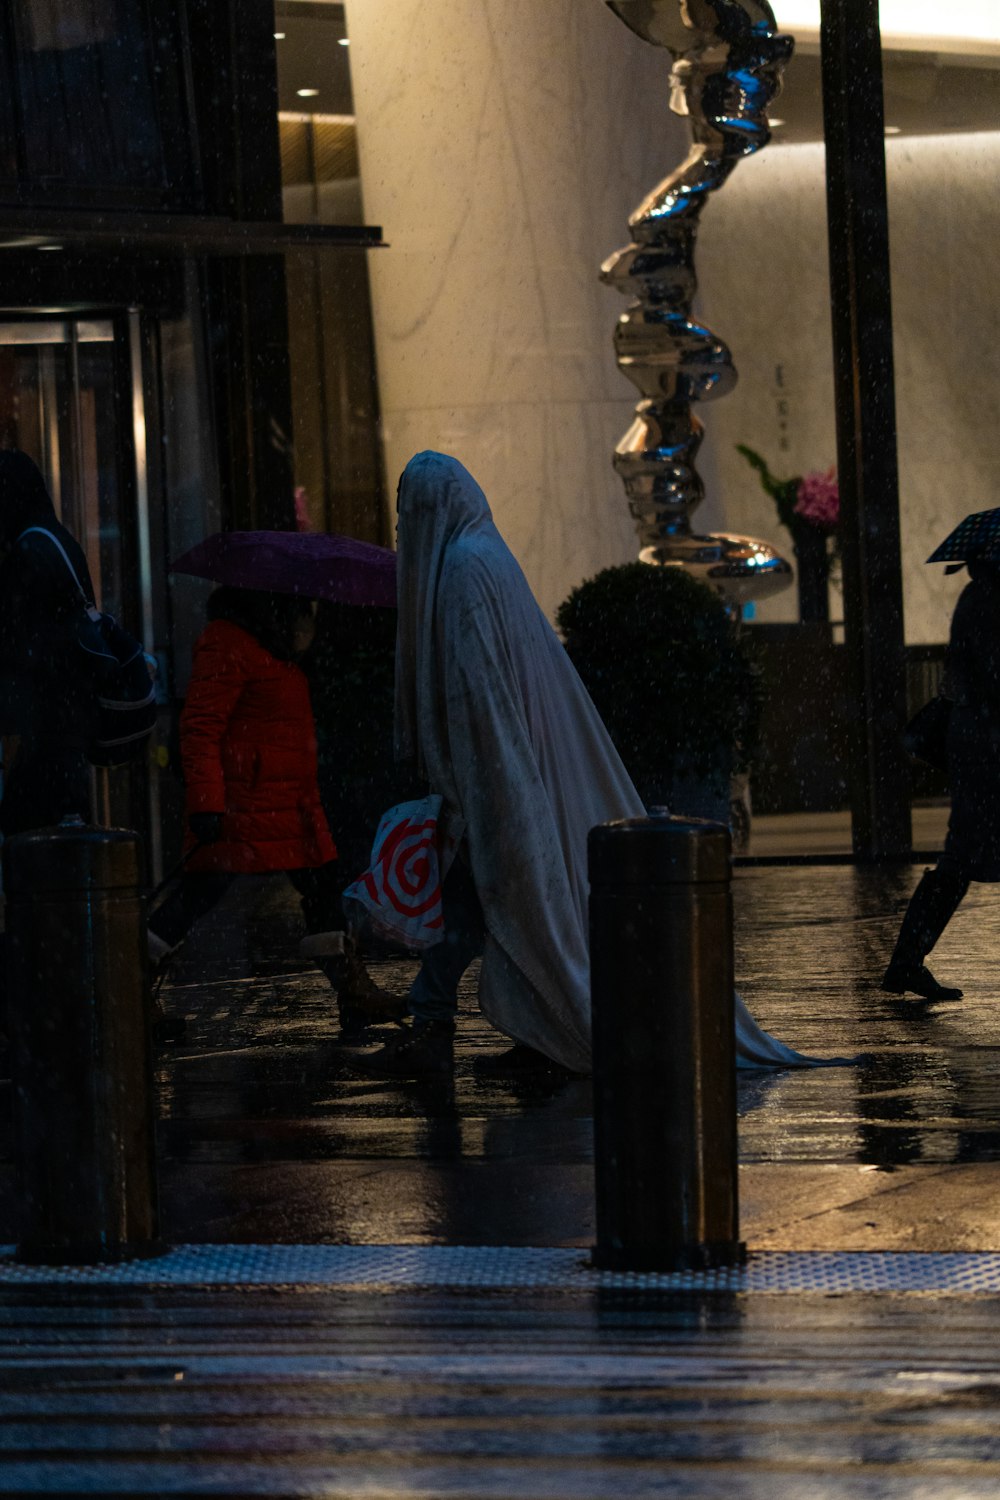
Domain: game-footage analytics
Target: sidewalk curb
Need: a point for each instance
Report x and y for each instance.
(490, 1268)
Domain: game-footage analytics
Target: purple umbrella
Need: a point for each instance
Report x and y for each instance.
(315, 564)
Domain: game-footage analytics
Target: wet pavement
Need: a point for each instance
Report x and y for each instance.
(270, 1135)
(495, 1396)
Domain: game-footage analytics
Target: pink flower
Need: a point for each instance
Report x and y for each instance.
(818, 499)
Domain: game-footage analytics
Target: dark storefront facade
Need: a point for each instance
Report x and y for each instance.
(186, 320)
(145, 325)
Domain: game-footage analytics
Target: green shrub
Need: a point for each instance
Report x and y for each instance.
(663, 662)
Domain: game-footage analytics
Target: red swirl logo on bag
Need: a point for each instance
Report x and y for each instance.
(405, 872)
(400, 892)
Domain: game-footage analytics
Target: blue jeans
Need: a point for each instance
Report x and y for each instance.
(434, 993)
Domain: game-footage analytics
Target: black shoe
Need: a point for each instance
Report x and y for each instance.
(519, 1061)
(902, 978)
(426, 1051)
(168, 1031)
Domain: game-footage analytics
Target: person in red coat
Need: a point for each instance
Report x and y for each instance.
(248, 744)
(248, 750)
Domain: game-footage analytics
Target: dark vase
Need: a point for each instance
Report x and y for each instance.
(812, 572)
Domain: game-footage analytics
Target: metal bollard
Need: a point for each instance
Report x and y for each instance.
(78, 989)
(661, 946)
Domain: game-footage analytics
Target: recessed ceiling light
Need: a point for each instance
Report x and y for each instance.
(344, 41)
(894, 130)
(279, 36)
(307, 93)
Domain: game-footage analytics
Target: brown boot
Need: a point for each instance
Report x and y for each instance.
(357, 993)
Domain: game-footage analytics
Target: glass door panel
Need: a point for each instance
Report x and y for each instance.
(57, 403)
(67, 400)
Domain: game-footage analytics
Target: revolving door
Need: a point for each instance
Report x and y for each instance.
(72, 397)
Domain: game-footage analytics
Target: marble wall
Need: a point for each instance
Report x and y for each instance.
(763, 271)
(503, 144)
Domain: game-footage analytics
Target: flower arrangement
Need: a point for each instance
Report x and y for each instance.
(809, 506)
(812, 499)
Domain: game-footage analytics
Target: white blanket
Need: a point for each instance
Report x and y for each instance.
(492, 710)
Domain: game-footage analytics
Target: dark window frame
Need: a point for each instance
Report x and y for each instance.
(167, 54)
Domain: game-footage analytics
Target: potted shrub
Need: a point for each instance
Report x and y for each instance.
(663, 662)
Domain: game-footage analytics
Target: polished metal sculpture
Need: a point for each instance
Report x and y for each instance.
(728, 57)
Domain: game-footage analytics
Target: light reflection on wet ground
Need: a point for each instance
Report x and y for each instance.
(477, 1397)
(811, 946)
(269, 1133)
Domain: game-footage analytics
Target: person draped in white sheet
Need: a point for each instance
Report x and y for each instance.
(492, 711)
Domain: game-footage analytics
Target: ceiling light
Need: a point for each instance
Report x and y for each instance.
(922, 25)
(775, 123)
(50, 247)
(307, 93)
(296, 117)
(279, 36)
(894, 130)
(344, 41)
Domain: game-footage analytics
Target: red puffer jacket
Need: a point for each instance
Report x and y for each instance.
(248, 746)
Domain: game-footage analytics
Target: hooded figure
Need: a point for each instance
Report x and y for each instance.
(43, 699)
(492, 711)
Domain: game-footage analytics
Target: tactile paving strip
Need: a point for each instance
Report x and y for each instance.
(501, 1268)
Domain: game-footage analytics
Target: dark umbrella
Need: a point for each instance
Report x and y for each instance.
(977, 536)
(315, 564)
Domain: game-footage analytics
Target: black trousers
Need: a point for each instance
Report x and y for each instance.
(200, 890)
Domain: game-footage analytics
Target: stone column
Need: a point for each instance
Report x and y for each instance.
(502, 143)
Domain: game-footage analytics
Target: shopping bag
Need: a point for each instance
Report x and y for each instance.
(400, 892)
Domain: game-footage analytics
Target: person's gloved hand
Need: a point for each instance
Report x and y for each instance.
(206, 827)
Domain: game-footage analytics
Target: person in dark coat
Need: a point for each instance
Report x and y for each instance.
(248, 749)
(46, 703)
(972, 846)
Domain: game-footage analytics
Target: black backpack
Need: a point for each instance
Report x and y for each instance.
(121, 674)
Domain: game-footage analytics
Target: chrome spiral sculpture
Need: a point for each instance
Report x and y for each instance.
(728, 59)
